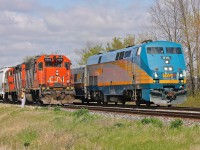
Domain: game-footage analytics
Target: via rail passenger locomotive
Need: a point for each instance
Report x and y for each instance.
(45, 78)
(152, 72)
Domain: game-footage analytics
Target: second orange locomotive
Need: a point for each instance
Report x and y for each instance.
(45, 78)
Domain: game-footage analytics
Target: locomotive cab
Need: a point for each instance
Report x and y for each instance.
(166, 66)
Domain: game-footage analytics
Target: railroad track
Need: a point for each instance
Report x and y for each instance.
(178, 112)
(142, 106)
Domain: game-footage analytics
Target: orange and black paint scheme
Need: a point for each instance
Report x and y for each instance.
(45, 78)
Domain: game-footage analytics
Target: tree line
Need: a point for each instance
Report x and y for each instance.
(172, 20)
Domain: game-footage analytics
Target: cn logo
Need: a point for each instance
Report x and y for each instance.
(55, 79)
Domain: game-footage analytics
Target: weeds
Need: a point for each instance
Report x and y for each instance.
(154, 121)
(41, 129)
(192, 101)
(81, 112)
(44, 108)
(176, 123)
(119, 125)
(57, 109)
(82, 115)
(27, 136)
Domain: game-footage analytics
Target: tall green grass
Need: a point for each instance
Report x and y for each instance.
(192, 101)
(38, 128)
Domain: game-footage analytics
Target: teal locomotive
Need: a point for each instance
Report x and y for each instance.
(153, 72)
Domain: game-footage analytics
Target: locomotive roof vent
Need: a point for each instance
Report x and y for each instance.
(147, 41)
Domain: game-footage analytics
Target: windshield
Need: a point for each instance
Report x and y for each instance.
(173, 50)
(155, 50)
(53, 64)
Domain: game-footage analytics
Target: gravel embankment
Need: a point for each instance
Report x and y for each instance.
(165, 120)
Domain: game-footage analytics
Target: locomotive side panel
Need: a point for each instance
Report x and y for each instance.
(78, 76)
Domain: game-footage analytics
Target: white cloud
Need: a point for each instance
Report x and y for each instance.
(28, 28)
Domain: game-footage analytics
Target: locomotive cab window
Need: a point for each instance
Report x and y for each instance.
(173, 50)
(155, 50)
(127, 54)
(49, 64)
(40, 66)
(99, 61)
(117, 56)
(121, 56)
(75, 77)
(35, 67)
(58, 64)
(67, 65)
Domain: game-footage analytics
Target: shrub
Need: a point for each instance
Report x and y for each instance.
(57, 108)
(176, 123)
(153, 121)
(80, 112)
(119, 125)
(82, 115)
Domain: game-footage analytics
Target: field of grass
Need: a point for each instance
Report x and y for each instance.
(192, 101)
(50, 129)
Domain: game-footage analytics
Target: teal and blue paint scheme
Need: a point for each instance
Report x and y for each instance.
(152, 72)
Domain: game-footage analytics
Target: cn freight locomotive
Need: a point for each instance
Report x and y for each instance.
(46, 79)
(152, 72)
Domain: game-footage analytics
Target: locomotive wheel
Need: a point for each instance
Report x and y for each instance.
(137, 103)
(105, 103)
(148, 103)
(123, 103)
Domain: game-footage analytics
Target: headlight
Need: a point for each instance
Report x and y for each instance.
(156, 75)
(167, 61)
(170, 68)
(165, 68)
(181, 75)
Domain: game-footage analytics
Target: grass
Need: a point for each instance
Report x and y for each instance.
(192, 101)
(39, 128)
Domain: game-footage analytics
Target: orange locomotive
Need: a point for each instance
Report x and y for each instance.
(45, 78)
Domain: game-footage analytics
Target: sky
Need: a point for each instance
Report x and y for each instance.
(34, 27)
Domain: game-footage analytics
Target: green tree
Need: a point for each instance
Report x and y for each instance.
(129, 40)
(89, 50)
(119, 43)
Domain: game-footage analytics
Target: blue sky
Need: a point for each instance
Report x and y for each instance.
(33, 27)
